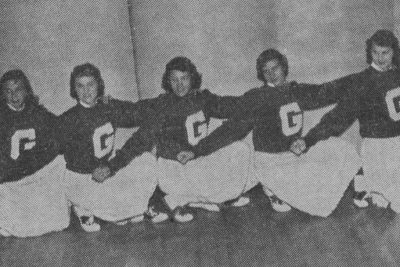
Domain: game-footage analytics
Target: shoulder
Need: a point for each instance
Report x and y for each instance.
(297, 88)
(40, 109)
(358, 82)
(36, 112)
(257, 97)
(116, 102)
(206, 95)
(257, 92)
(72, 112)
(162, 97)
(114, 105)
(361, 77)
(295, 85)
(163, 100)
(204, 92)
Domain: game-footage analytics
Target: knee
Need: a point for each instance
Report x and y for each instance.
(240, 148)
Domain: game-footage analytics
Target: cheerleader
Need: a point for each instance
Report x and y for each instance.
(372, 98)
(32, 198)
(184, 112)
(97, 186)
(274, 112)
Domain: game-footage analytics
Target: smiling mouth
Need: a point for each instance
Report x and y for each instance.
(17, 103)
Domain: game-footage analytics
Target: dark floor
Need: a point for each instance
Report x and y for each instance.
(249, 236)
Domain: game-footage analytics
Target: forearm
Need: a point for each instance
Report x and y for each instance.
(326, 128)
(229, 132)
(140, 142)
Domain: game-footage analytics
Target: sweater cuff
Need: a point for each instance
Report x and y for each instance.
(113, 166)
(197, 152)
(310, 141)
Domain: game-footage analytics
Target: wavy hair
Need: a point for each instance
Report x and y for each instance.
(18, 75)
(383, 38)
(182, 64)
(268, 55)
(88, 70)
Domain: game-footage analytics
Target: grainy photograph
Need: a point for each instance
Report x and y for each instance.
(199, 133)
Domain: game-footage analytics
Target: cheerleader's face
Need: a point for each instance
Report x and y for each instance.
(180, 82)
(382, 56)
(273, 72)
(87, 90)
(15, 94)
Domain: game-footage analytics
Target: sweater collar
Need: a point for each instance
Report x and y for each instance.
(14, 109)
(376, 67)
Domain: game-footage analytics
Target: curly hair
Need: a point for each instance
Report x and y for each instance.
(268, 55)
(383, 38)
(88, 70)
(182, 64)
(17, 75)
